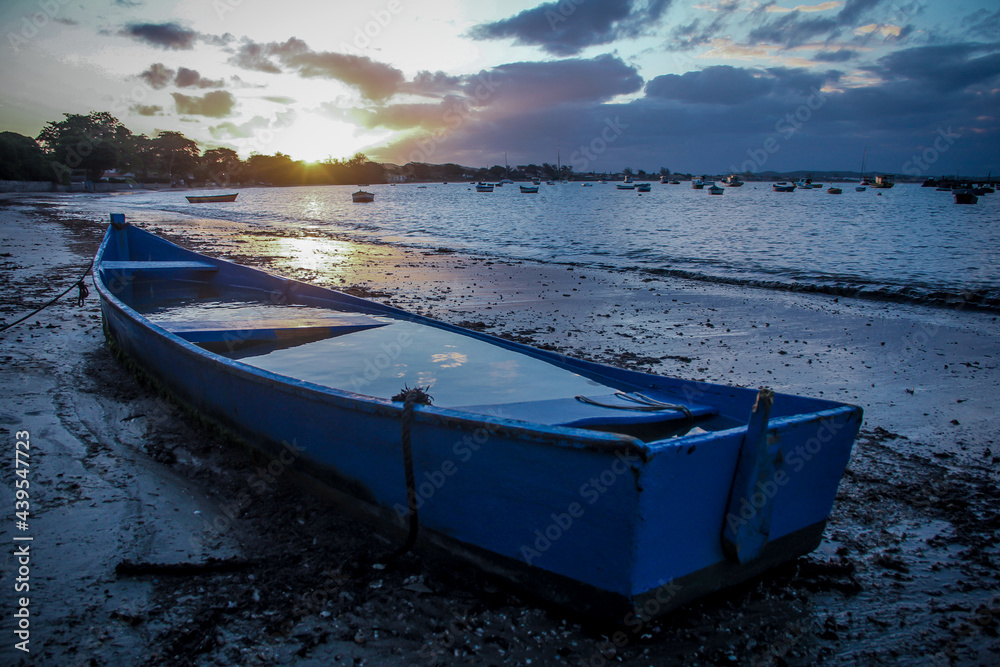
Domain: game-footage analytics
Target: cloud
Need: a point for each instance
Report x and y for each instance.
(252, 127)
(944, 68)
(726, 85)
(838, 56)
(698, 32)
(432, 84)
(566, 28)
(713, 85)
(374, 80)
(982, 24)
(157, 76)
(822, 7)
(406, 116)
(230, 130)
(163, 35)
(215, 104)
(278, 99)
(253, 56)
(548, 84)
(796, 28)
(189, 78)
(147, 109)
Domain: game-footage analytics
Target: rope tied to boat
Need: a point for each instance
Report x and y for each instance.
(81, 296)
(410, 398)
(642, 403)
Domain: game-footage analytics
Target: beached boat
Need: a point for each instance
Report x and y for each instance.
(529, 189)
(362, 197)
(609, 491)
(783, 186)
(207, 199)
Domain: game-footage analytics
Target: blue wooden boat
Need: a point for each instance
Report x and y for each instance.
(613, 492)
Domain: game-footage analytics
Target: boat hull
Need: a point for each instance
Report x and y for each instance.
(362, 197)
(519, 498)
(207, 199)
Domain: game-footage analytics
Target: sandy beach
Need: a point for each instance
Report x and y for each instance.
(269, 572)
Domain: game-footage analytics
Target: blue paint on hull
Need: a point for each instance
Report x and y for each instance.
(618, 509)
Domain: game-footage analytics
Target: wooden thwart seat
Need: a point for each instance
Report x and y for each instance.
(133, 266)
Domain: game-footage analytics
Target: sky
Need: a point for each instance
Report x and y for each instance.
(710, 86)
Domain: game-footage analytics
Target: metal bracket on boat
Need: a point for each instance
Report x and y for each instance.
(642, 403)
(748, 515)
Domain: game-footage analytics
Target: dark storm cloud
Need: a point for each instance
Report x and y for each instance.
(216, 104)
(163, 35)
(567, 27)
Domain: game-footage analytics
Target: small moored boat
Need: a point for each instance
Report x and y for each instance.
(612, 492)
(362, 197)
(965, 196)
(484, 187)
(207, 199)
(529, 189)
(715, 190)
(783, 186)
(643, 187)
(834, 191)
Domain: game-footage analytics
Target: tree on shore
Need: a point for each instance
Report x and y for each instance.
(176, 153)
(93, 142)
(21, 159)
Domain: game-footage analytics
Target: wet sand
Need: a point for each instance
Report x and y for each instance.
(907, 572)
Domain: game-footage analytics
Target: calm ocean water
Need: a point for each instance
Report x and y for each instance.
(907, 244)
